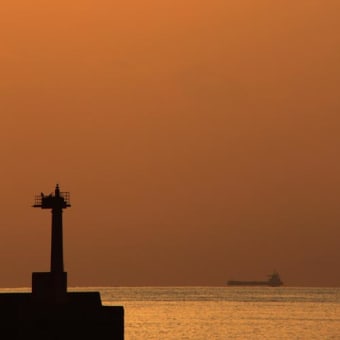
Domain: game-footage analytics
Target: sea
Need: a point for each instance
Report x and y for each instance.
(207, 313)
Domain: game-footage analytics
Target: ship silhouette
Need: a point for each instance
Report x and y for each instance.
(274, 280)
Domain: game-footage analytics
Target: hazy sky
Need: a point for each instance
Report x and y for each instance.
(199, 139)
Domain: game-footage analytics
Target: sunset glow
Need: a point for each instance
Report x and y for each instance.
(199, 140)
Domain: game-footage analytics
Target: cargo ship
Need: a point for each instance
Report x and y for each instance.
(274, 280)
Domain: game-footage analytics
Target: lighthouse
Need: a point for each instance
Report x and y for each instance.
(53, 285)
(56, 203)
(50, 311)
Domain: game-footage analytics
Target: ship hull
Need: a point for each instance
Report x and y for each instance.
(252, 283)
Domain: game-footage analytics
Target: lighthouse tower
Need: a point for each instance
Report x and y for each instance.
(50, 311)
(53, 285)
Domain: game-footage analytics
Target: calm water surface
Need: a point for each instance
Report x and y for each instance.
(205, 313)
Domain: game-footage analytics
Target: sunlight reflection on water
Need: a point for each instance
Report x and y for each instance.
(228, 313)
(204, 313)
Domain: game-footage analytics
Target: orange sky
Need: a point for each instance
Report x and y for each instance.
(199, 139)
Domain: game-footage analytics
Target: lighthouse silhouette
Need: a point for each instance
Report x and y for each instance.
(52, 286)
(50, 312)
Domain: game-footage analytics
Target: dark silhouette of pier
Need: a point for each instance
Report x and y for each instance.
(50, 312)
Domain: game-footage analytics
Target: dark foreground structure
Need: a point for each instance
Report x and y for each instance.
(50, 312)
